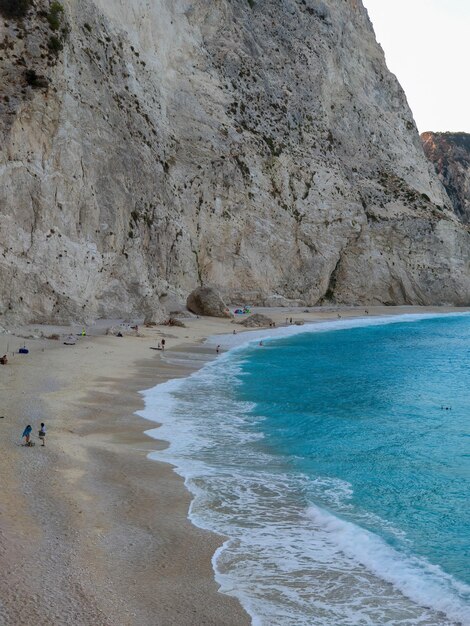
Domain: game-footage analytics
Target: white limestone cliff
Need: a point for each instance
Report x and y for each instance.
(261, 147)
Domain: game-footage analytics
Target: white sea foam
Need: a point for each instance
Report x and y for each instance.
(243, 339)
(289, 561)
(417, 579)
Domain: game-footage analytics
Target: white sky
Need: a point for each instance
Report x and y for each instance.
(427, 46)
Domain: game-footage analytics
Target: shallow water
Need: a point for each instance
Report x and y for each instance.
(337, 462)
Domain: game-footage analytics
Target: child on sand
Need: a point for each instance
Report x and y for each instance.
(27, 435)
(42, 434)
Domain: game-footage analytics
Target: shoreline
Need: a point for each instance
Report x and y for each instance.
(91, 530)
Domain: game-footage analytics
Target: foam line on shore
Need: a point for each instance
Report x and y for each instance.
(162, 396)
(246, 337)
(426, 584)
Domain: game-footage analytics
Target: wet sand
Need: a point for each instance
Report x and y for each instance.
(91, 531)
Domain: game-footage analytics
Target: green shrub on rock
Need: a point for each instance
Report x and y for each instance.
(54, 17)
(54, 44)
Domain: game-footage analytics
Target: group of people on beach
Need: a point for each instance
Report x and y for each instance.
(27, 435)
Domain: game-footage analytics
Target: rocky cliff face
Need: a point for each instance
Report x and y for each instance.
(450, 155)
(261, 147)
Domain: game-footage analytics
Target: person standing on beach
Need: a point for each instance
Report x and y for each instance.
(42, 434)
(163, 344)
(27, 435)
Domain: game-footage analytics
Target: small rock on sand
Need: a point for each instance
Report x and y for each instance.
(256, 320)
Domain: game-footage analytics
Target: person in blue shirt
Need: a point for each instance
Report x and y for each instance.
(27, 435)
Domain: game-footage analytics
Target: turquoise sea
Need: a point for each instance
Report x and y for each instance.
(336, 460)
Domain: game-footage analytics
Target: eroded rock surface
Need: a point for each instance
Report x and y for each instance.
(260, 147)
(450, 155)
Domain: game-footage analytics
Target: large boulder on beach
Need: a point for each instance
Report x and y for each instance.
(207, 301)
(257, 320)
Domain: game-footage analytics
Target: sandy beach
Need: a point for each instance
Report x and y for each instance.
(91, 531)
